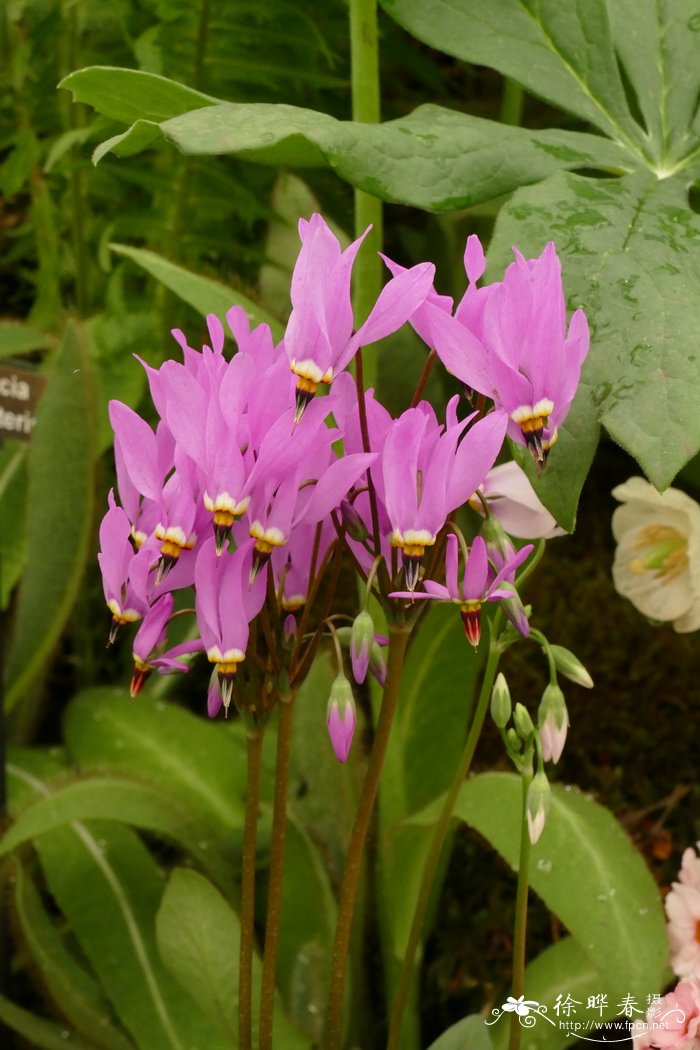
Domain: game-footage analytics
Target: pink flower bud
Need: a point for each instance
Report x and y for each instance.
(341, 717)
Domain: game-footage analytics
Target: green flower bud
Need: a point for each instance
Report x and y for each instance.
(523, 722)
(538, 803)
(553, 722)
(570, 666)
(361, 641)
(501, 705)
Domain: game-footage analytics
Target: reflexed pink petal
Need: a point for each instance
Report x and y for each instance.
(476, 571)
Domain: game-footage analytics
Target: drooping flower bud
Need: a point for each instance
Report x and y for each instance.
(523, 722)
(538, 803)
(361, 639)
(501, 704)
(352, 520)
(377, 663)
(340, 717)
(570, 666)
(553, 722)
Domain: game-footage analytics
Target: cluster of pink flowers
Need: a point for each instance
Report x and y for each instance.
(674, 1022)
(242, 490)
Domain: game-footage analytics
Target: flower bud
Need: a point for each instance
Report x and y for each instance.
(513, 744)
(500, 550)
(377, 663)
(340, 717)
(501, 705)
(538, 802)
(570, 666)
(361, 641)
(553, 722)
(354, 525)
(498, 543)
(523, 722)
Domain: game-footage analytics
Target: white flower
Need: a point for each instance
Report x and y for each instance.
(657, 561)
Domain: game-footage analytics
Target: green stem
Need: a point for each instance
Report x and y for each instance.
(512, 103)
(245, 975)
(520, 928)
(274, 895)
(440, 834)
(364, 68)
(398, 641)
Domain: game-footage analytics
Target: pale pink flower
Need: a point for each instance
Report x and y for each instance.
(515, 503)
(689, 874)
(683, 912)
(672, 1023)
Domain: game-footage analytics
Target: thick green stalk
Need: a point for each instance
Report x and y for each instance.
(398, 641)
(364, 68)
(520, 927)
(512, 103)
(245, 975)
(274, 895)
(440, 834)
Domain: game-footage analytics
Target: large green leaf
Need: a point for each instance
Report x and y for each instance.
(469, 1032)
(631, 256)
(40, 1033)
(72, 989)
(142, 805)
(60, 501)
(615, 913)
(127, 94)
(198, 763)
(19, 338)
(204, 294)
(306, 934)
(562, 52)
(434, 158)
(198, 937)
(109, 887)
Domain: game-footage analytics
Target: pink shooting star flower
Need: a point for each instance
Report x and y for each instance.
(521, 354)
(226, 605)
(305, 497)
(469, 311)
(319, 340)
(426, 474)
(124, 572)
(473, 589)
(149, 645)
(144, 463)
(291, 564)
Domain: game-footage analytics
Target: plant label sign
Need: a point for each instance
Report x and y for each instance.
(20, 391)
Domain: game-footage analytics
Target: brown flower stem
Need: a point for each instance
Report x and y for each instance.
(398, 641)
(440, 834)
(274, 895)
(425, 375)
(245, 976)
